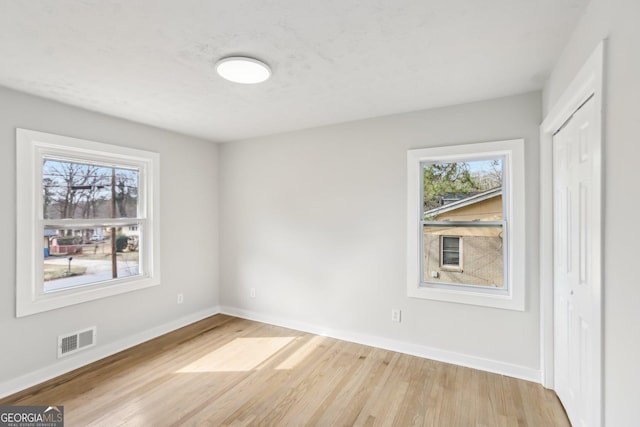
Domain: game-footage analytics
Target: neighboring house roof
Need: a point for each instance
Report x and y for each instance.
(476, 198)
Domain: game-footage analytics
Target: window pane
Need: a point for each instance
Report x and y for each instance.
(451, 251)
(463, 191)
(78, 257)
(462, 255)
(450, 258)
(82, 190)
(451, 243)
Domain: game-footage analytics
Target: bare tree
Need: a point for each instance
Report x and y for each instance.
(81, 190)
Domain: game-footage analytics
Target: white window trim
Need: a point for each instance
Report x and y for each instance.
(514, 185)
(30, 148)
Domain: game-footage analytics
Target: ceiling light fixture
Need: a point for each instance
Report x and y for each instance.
(242, 69)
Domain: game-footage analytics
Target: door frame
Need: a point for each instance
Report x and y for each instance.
(588, 82)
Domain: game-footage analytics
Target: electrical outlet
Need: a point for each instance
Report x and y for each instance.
(395, 315)
(180, 298)
(253, 292)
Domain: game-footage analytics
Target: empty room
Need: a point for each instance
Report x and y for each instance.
(330, 213)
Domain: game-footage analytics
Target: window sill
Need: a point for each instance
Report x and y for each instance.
(33, 304)
(473, 295)
(453, 269)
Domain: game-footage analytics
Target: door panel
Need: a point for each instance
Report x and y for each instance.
(573, 183)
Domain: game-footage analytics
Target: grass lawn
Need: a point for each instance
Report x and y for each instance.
(122, 256)
(52, 271)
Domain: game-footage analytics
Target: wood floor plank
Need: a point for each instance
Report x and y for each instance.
(225, 371)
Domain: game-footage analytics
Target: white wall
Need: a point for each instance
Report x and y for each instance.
(616, 20)
(315, 221)
(189, 234)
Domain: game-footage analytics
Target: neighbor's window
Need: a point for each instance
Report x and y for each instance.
(466, 224)
(87, 221)
(450, 251)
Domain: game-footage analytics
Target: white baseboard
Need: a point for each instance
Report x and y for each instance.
(489, 365)
(62, 366)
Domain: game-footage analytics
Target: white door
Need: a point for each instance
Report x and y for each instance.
(576, 154)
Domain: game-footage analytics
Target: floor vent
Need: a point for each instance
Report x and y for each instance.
(72, 343)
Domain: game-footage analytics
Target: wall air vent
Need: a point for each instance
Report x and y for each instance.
(74, 342)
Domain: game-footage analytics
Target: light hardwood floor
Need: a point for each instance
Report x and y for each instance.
(228, 371)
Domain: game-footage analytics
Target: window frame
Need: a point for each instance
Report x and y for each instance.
(31, 148)
(512, 296)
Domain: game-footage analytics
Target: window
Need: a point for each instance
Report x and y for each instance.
(464, 198)
(450, 248)
(95, 207)
(466, 224)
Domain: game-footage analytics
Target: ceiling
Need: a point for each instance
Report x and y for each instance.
(152, 61)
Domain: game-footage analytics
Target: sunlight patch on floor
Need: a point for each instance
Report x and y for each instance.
(241, 354)
(297, 357)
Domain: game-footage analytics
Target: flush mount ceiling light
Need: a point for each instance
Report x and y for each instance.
(242, 69)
